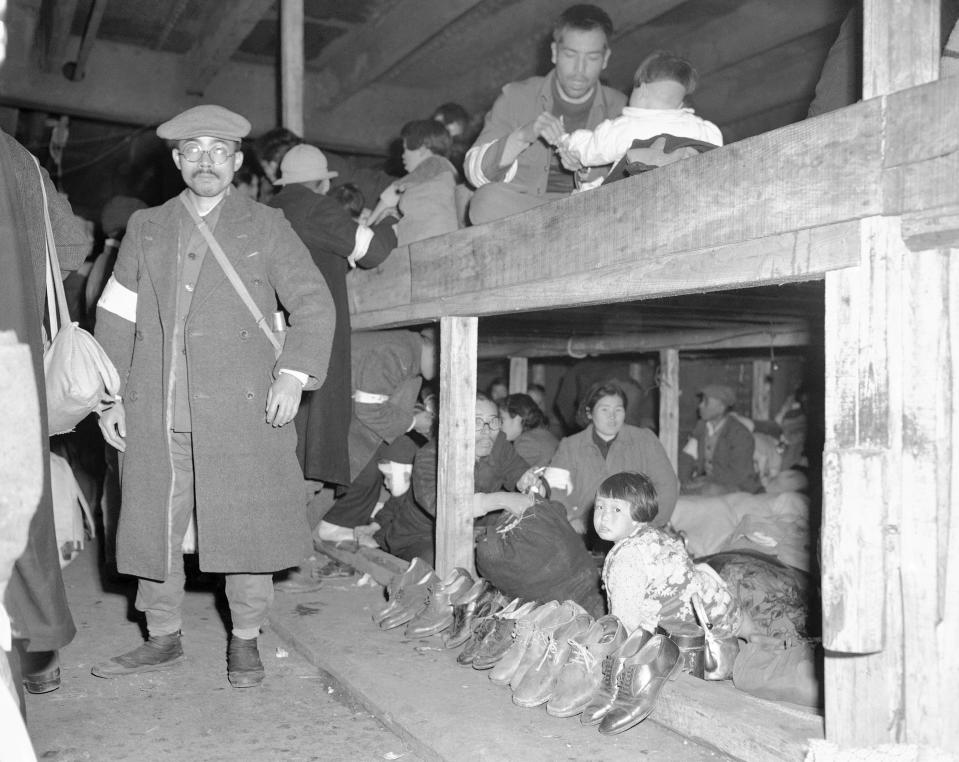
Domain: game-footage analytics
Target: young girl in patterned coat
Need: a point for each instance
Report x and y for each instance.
(648, 575)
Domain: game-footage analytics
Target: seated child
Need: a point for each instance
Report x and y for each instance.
(660, 86)
(648, 575)
(425, 197)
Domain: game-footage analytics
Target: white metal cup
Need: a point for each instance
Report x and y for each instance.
(558, 478)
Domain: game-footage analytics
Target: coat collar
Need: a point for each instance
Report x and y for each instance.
(235, 207)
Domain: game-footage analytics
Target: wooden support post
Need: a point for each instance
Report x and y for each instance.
(537, 374)
(669, 403)
(457, 447)
(291, 63)
(761, 389)
(890, 598)
(518, 374)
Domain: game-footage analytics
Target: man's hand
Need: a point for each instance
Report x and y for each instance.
(423, 422)
(390, 195)
(545, 126)
(282, 401)
(569, 159)
(113, 425)
(364, 535)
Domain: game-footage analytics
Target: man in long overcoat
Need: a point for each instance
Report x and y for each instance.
(204, 402)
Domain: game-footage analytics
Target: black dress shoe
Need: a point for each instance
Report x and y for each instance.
(640, 681)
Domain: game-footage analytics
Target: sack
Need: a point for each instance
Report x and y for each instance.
(71, 512)
(539, 557)
(77, 372)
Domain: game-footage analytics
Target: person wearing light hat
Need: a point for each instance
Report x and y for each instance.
(204, 401)
(335, 243)
(718, 458)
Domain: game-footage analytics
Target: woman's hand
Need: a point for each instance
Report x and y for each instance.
(529, 479)
(113, 425)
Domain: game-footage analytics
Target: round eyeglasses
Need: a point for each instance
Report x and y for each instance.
(493, 424)
(219, 154)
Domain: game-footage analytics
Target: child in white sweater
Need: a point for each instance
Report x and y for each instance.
(660, 87)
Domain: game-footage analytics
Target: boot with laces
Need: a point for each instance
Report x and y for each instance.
(415, 572)
(438, 613)
(580, 676)
(500, 638)
(602, 701)
(483, 624)
(536, 685)
(542, 635)
(506, 667)
(640, 681)
(159, 652)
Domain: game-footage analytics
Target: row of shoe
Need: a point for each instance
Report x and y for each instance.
(551, 653)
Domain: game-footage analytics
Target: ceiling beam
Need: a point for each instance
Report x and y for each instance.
(357, 58)
(77, 70)
(53, 31)
(759, 337)
(223, 31)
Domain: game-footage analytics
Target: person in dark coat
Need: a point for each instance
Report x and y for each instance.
(204, 402)
(388, 368)
(35, 598)
(335, 242)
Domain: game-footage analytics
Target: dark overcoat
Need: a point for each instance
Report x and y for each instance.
(249, 487)
(330, 234)
(35, 598)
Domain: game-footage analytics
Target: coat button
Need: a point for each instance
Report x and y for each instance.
(189, 287)
(132, 396)
(244, 334)
(192, 255)
(139, 335)
(250, 395)
(257, 282)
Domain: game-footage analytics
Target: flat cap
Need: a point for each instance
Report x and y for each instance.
(724, 394)
(205, 121)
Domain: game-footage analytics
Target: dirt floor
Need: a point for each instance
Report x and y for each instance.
(191, 712)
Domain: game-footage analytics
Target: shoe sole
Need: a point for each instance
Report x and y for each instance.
(564, 712)
(40, 688)
(247, 681)
(97, 671)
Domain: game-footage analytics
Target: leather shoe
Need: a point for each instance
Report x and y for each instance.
(410, 601)
(483, 625)
(438, 613)
(580, 676)
(500, 638)
(505, 668)
(243, 666)
(159, 652)
(415, 572)
(465, 607)
(536, 685)
(639, 682)
(605, 696)
(40, 670)
(538, 648)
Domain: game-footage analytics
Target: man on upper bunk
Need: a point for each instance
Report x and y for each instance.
(513, 164)
(718, 458)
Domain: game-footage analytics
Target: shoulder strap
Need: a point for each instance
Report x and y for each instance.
(56, 296)
(231, 274)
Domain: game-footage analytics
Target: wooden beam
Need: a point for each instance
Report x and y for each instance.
(77, 70)
(224, 30)
(291, 64)
(357, 58)
(885, 350)
(709, 339)
(457, 446)
(381, 297)
(53, 32)
(761, 390)
(669, 392)
(518, 373)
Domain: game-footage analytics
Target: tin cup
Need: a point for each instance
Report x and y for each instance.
(691, 640)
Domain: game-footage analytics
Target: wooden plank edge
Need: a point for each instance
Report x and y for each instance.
(784, 258)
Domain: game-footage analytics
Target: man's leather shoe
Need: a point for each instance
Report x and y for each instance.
(537, 683)
(411, 600)
(416, 571)
(438, 614)
(581, 674)
(483, 625)
(40, 670)
(159, 652)
(465, 606)
(243, 666)
(500, 638)
(505, 667)
(640, 680)
(605, 696)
